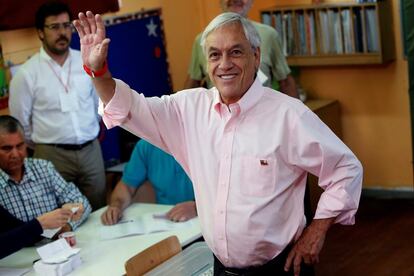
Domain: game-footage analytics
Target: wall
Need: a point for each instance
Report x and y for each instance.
(374, 99)
(375, 108)
(180, 26)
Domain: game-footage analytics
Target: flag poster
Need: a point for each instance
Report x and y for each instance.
(137, 56)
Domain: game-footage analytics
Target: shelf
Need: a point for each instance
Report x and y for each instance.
(334, 33)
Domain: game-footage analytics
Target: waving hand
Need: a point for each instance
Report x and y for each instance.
(94, 44)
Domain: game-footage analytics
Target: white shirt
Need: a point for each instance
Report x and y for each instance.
(55, 104)
(248, 163)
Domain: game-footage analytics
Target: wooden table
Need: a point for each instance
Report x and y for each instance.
(329, 112)
(107, 257)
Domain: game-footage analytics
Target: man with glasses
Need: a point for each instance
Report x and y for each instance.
(55, 101)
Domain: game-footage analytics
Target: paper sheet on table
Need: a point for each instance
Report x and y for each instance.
(5, 271)
(143, 225)
(50, 233)
(57, 251)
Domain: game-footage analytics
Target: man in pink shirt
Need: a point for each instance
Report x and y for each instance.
(246, 148)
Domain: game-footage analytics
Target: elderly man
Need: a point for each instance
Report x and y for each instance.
(273, 65)
(246, 149)
(30, 187)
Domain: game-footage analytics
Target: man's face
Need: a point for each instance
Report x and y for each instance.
(231, 61)
(56, 33)
(12, 152)
(241, 7)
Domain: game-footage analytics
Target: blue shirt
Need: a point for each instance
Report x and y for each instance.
(170, 182)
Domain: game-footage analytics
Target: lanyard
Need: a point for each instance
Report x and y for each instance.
(67, 85)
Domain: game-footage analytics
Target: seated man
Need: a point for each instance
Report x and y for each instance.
(31, 187)
(170, 182)
(15, 234)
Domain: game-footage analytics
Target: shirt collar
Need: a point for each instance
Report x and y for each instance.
(28, 174)
(44, 55)
(4, 179)
(249, 99)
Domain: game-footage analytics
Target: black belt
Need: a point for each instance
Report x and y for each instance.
(273, 267)
(71, 146)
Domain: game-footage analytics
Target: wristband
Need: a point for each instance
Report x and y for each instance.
(95, 74)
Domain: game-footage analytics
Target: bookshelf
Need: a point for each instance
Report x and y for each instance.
(334, 33)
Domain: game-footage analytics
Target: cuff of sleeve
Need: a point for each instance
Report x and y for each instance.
(116, 112)
(339, 205)
(37, 227)
(73, 224)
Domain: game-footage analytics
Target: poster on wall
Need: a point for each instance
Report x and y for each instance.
(137, 56)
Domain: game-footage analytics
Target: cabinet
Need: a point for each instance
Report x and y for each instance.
(330, 113)
(334, 33)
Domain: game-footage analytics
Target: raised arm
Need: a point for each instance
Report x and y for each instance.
(94, 50)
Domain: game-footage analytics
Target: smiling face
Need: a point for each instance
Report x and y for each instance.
(231, 61)
(56, 34)
(241, 7)
(12, 153)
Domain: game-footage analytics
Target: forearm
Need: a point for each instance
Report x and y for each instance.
(191, 83)
(24, 235)
(105, 86)
(121, 196)
(322, 225)
(288, 86)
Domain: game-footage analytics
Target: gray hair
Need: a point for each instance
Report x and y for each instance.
(9, 125)
(230, 17)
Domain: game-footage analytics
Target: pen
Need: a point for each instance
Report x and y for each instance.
(125, 221)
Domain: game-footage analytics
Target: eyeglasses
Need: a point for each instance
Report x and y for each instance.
(56, 26)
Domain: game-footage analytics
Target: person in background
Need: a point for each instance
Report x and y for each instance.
(30, 188)
(16, 234)
(273, 65)
(247, 150)
(55, 101)
(170, 182)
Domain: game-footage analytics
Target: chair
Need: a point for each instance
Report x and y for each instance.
(152, 256)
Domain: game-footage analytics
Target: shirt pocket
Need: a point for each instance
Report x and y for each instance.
(84, 89)
(257, 176)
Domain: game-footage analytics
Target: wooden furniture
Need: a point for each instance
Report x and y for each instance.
(108, 257)
(334, 33)
(152, 256)
(329, 112)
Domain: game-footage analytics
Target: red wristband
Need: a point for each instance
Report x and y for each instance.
(98, 73)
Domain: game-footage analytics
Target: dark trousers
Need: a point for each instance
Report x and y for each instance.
(273, 267)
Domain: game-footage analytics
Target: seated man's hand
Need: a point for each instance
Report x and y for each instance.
(111, 215)
(78, 213)
(183, 211)
(65, 228)
(55, 219)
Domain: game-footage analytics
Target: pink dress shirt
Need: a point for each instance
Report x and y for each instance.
(248, 163)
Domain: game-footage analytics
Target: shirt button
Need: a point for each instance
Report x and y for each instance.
(221, 212)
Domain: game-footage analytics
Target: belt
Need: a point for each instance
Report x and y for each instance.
(272, 267)
(71, 146)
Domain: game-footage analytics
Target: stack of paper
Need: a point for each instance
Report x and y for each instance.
(57, 259)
